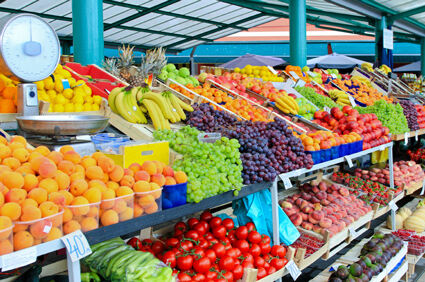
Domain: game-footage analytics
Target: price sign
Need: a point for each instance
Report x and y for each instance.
(349, 161)
(312, 74)
(392, 205)
(65, 84)
(327, 109)
(352, 101)
(333, 76)
(300, 83)
(416, 136)
(294, 75)
(272, 69)
(353, 232)
(286, 182)
(406, 138)
(18, 259)
(291, 82)
(423, 187)
(293, 269)
(76, 245)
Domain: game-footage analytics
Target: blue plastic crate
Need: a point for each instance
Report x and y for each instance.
(315, 155)
(334, 152)
(326, 155)
(174, 195)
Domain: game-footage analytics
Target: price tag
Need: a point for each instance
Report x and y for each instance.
(334, 76)
(416, 136)
(293, 269)
(349, 161)
(272, 69)
(353, 232)
(291, 82)
(327, 109)
(392, 205)
(65, 84)
(18, 259)
(286, 182)
(423, 187)
(294, 75)
(352, 101)
(406, 137)
(312, 74)
(300, 83)
(76, 245)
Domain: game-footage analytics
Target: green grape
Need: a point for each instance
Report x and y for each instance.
(319, 100)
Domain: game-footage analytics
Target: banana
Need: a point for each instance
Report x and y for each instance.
(183, 105)
(286, 105)
(134, 107)
(154, 115)
(172, 109)
(130, 107)
(159, 100)
(143, 109)
(174, 118)
(164, 121)
(283, 109)
(121, 108)
(176, 106)
(111, 98)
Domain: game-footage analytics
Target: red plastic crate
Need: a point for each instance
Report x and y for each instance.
(96, 73)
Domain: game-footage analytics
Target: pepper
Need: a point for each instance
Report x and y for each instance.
(89, 277)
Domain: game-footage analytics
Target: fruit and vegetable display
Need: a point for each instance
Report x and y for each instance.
(132, 103)
(417, 155)
(406, 219)
(416, 242)
(367, 190)
(212, 248)
(306, 109)
(310, 243)
(266, 149)
(114, 260)
(262, 72)
(411, 114)
(287, 104)
(8, 95)
(326, 139)
(389, 114)
(319, 100)
(373, 258)
(181, 75)
(420, 109)
(340, 97)
(361, 91)
(323, 207)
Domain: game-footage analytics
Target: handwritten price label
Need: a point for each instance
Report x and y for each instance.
(286, 182)
(293, 269)
(272, 70)
(294, 75)
(76, 245)
(349, 161)
(392, 205)
(300, 83)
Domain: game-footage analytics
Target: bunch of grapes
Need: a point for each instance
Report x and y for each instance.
(212, 168)
(267, 149)
(411, 114)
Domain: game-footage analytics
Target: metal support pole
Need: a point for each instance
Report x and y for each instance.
(423, 56)
(391, 165)
(192, 62)
(275, 212)
(87, 28)
(297, 31)
(74, 269)
(66, 47)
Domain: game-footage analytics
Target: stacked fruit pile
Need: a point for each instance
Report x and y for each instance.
(375, 255)
(411, 114)
(306, 109)
(323, 207)
(262, 72)
(416, 245)
(362, 92)
(133, 102)
(8, 95)
(340, 97)
(181, 75)
(320, 101)
(210, 248)
(77, 98)
(267, 149)
(420, 109)
(287, 104)
(310, 243)
(326, 139)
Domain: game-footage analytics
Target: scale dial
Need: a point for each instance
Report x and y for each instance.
(29, 48)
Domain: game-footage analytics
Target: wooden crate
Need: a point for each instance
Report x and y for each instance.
(303, 262)
(413, 187)
(381, 210)
(398, 137)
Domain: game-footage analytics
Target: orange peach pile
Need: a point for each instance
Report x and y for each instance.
(326, 139)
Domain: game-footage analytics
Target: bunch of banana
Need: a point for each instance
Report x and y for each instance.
(340, 97)
(385, 69)
(123, 101)
(367, 67)
(287, 104)
(358, 78)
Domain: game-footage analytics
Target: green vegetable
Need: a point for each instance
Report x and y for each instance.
(89, 277)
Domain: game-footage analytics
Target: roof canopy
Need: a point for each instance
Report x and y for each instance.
(334, 61)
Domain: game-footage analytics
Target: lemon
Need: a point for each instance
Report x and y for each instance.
(72, 81)
(58, 86)
(50, 108)
(65, 73)
(78, 99)
(68, 93)
(78, 108)
(95, 107)
(48, 83)
(59, 67)
(52, 93)
(79, 91)
(58, 108)
(60, 99)
(237, 70)
(88, 100)
(69, 107)
(40, 85)
(87, 107)
(87, 89)
(97, 100)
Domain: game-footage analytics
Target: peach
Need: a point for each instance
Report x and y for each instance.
(112, 185)
(168, 171)
(325, 223)
(81, 206)
(78, 187)
(6, 247)
(142, 175)
(141, 186)
(109, 217)
(158, 179)
(16, 195)
(55, 233)
(123, 190)
(117, 173)
(135, 167)
(87, 161)
(94, 172)
(30, 213)
(180, 177)
(49, 184)
(13, 180)
(22, 240)
(56, 157)
(71, 226)
(5, 151)
(138, 210)
(42, 150)
(307, 225)
(47, 169)
(29, 202)
(107, 164)
(127, 180)
(89, 223)
(5, 222)
(38, 194)
(127, 214)
(296, 219)
(93, 195)
(97, 155)
(30, 182)
(65, 149)
(150, 167)
(72, 156)
(120, 205)
(68, 197)
(49, 208)
(67, 167)
(63, 180)
(21, 154)
(67, 215)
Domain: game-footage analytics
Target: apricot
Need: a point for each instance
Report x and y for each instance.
(66, 166)
(55, 233)
(13, 180)
(168, 171)
(127, 214)
(20, 227)
(127, 180)
(123, 191)
(180, 176)
(80, 206)
(49, 208)
(72, 156)
(105, 178)
(18, 139)
(109, 217)
(5, 222)
(68, 196)
(34, 155)
(93, 212)
(22, 240)
(107, 196)
(49, 184)
(37, 161)
(24, 170)
(56, 157)
(128, 172)
(149, 167)
(151, 209)
(159, 166)
(94, 172)
(97, 155)
(135, 167)
(117, 173)
(156, 190)
(87, 161)
(138, 210)
(1, 199)
(77, 175)
(80, 169)
(42, 150)
(40, 229)
(3, 140)
(120, 205)
(112, 185)
(67, 215)
(11, 162)
(63, 180)
(47, 169)
(29, 202)
(21, 154)
(65, 149)
(5, 151)
(158, 179)
(170, 181)
(38, 194)
(141, 186)
(142, 175)
(6, 247)
(78, 187)
(145, 200)
(71, 226)
(89, 223)
(107, 164)
(16, 195)
(16, 145)
(57, 198)
(93, 195)
(30, 213)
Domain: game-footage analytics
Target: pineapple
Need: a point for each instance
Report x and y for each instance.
(125, 62)
(110, 65)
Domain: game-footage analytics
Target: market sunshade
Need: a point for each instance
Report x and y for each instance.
(413, 67)
(253, 60)
(334, 61)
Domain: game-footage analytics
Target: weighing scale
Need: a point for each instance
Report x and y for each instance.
(30, 51)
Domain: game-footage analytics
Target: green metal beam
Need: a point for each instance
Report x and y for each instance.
(423, 56)
(139, 14)
(408, 13)
(42, 15)
(298, 33)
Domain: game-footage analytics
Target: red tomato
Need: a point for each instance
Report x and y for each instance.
(158, 247)
(172, 242)
(183, 277)
(135, 243)
(242, 245)
(255, 250)
(185, 263)
(278, 251)
(265, 248)
(254, 237)
(219, 250)
(192, 222)
(271, 270)
(259, 262)
(238, 272)
(250, 226)
(266, 265)
(228, 223)
(265, 239)
(249, 258)
(266, 257)
(219, 232)
(277, 263)
(211, 275)
(242, 232)
(215, 221)
(180, 226)
(201, 227)
(210, 254)
(192, 234)
(199, 252)
(261, 273)
(176, 251)
(178, 233)
(169, 258)
(198, 277)
(232, 237)
(247, 264)
(147, 242)
(186, 246)
(209, 236)
(213, 241)
(203, 243)
(202, 265)
(206, 216)
(228, 275)
(232, 252)
(226, 263)
(226, 243)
